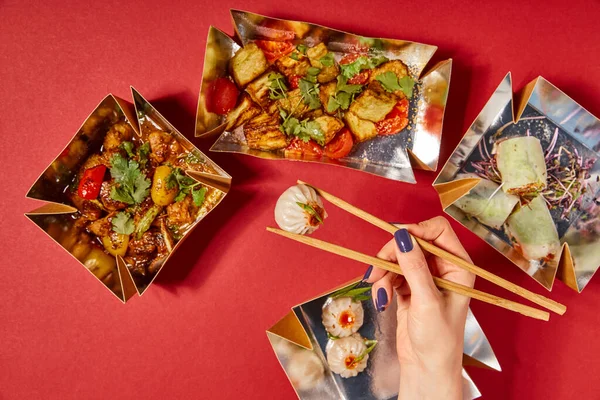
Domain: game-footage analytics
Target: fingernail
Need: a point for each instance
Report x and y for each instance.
(368, 273)
(403, 240)
(382, 299)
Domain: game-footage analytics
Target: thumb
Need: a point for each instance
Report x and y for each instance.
(415, 268)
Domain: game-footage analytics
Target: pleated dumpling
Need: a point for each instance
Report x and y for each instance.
(342, 316)
(347, 356)
(299, 210)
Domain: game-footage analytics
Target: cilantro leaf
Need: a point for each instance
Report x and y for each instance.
(122, 223)
(143, 153)
(327, 60)
(362, 62)
(310, 93)
(132, 187)
(198, 196)
(389, 81)
(304, 130)
(302, 48)
(277, 87)
(343, 96)
(407, 84)
(128, 147)
(294, 56)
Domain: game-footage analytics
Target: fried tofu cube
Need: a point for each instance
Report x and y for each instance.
(262, 132)
(294, 104)
(290, 67)
(248, 64)
(361, 129)
(244, 111)
(328, 72)
(372, 106)
(395, 66)
(325, 91)
(329, 126)
(258, 90)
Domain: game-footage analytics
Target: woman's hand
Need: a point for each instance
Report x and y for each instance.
(430, 333)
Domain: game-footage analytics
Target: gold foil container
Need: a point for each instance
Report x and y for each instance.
(539, 108)
(299, 341)
(55, 217)
(394, 156)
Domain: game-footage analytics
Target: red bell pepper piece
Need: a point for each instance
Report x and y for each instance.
(90, 183)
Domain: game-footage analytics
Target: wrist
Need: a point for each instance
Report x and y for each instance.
(423, 383)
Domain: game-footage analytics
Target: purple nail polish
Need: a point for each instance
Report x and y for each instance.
(382, 299)
(367, 273)
(403, 240)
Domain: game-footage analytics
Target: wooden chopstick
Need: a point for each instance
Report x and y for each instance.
(392, 267)
(488, 276)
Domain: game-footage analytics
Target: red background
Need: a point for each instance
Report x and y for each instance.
(199, 331)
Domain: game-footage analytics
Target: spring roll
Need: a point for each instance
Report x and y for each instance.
(487, 203)
(522, 165)
(533, 231)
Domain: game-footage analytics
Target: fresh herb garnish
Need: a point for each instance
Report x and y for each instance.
(132, 187)
(310, 92)
(187, 186)
(355, 292)
(374, 44)
(301, 48)
(122, 223)
(191, 158)
(391, 83)
(370, 346)
(327, 60)
(311, 210)
(304, 130)
(295, 56)
(344, 95)
(277, 87)
(332, 337)
(362, 62)
(128, 148)
(143, 153)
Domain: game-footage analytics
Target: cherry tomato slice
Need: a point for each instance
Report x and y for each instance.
(274, 50)
(395, 121)
(299, 147)
(223, 96)
(90, 183)
(295, 81)
(340, 145)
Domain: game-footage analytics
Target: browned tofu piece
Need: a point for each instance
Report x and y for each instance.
(248, 64)
(294, 104)
(329, 126)
(244, 111)
(258, 90)
(262, 132)
(325, 91)
(290, 67)
(361, 129)
(329, 72)
(373, 106)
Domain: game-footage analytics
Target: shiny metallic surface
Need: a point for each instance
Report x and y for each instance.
(381, 378)
(547, 110)
(386, 156)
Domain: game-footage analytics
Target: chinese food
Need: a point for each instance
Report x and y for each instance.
(342, 316)
(309, 101)
(522, 165)
(533, 231)
(305, 369)
(487, 203)
(134, 198)
(348, 356)
(300, 210)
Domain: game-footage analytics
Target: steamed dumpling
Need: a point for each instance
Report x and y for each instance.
(299, 210)
(342, 316)
(305, 370)
(347, 356)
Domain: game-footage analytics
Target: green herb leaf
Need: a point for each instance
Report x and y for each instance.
(332, 337)
(132, 187)
(314, 71)
(354, 292)
(344, 95)
(294, 56)
(309, 209)
(327, 60)
(277, 87)
(143, 153)
(198, 196)
(191, 158)
(180, 196)
(407, 84)
(389, 81)
(370, 346)
(301, 48)
(363, 62)
(122, 223)
(332, 105)
(310, 93)
(128, 147)
(304, 130)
